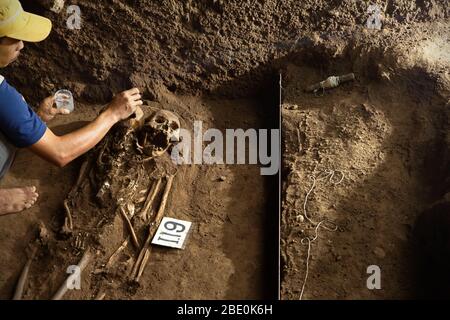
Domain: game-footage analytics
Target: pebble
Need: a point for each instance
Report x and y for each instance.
(379, 252)
(222, 178)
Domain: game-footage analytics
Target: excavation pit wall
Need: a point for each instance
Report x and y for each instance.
(363, 161)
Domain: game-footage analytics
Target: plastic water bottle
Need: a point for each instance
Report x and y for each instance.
(64, 99)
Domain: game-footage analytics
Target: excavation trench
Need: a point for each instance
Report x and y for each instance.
(382, 134)
(231, 250)
(361, 162)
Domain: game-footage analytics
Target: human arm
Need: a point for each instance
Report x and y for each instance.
(60, 150)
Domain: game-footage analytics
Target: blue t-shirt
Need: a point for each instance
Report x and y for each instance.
(18, 122)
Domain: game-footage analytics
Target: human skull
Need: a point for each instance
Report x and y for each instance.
(166, 122)
(158, 132)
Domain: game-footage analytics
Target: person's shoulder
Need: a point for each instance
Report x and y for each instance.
(10, 98)
(8, 92)
(3, 84)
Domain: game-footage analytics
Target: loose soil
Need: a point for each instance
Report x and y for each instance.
(373, 155)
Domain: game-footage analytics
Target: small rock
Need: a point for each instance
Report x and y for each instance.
(98, 271)
(53, 5)
(379, 252)
(222, 178)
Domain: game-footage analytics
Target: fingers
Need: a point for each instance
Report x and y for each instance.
(133, 94)
(63, 111)
(131, 91)
(53, 111)
(136, 97)
(125, 103)
(47, 103)
(134, 104)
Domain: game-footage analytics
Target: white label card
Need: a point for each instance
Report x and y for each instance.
(172, 233)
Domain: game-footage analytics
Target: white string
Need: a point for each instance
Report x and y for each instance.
(328, 174)
(307, 267)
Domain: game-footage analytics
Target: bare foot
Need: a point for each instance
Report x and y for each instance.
(17, 199)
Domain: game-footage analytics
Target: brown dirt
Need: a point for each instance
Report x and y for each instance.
(222, 259)
(386, 133)
(215, 46)
(183, 54)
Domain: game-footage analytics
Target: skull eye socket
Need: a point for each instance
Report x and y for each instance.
(174, 126)
(160, 120)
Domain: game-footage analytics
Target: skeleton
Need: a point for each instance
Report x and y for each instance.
(79, 243)
(117, 179)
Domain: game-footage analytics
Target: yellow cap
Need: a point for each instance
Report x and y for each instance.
(21, 25)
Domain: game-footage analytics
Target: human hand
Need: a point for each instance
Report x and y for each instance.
(46, 110)
(124, 104)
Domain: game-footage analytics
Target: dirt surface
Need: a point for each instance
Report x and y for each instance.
(384, 135)
(216, 46)
(365, 159)
(222, 260)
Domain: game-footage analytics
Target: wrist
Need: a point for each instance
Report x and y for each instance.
(109, 117)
